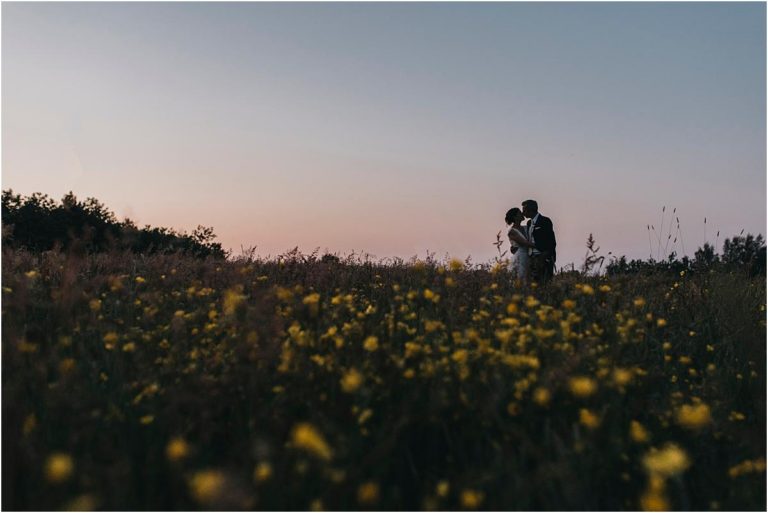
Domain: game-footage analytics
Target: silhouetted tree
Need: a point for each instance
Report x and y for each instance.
(705, 257)
(746, 253)
(38, 223)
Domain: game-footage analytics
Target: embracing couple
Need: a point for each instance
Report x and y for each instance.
(532, 244)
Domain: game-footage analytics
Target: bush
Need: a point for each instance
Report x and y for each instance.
(38, 223)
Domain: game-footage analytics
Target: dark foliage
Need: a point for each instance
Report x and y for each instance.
(741, 254)
(38, 223)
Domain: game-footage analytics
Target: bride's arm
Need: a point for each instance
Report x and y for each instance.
(518, 237)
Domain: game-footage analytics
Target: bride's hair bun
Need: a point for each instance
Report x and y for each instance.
(511, 214)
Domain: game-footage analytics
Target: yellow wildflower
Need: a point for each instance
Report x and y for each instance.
(471, 499)
(95, 305)
(661, 322)
(637, 432)
(442, 488)
(460, 356)
(667, 461)
(262, 472)
(371, 343)
(735, 415)
(541, 396)
(312, 300)
(621, 376)
(207, 485)
(368, 493)
(177, 449)
(351, 381)
(365, 416)
(109, 340)
(306, 436)
(84, 502)
(582, 386)
(59, 467)
(431, 326)
(531, 302)
(504, 336)
(456, 265)
(747, 467)
(654, 501)
(232, 300)
(588, 419)
(693, 416)
(569, 304)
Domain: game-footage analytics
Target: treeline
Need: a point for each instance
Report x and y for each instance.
(39, 223)
(742, 253)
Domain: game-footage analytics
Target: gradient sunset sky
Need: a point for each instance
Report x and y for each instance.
(393, 128)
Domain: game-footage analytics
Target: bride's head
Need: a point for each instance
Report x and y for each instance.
(514, 216)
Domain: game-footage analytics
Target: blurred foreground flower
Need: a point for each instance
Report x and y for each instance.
(747, 467)
(371, 343)
(582, 386)
(206, 485)
(59, 467)
(368, 493)
(84, 502)
(262, 472)
(351, 381)
(637, 432)
(177, 449)
(693, 416)
(471, 499)
(667, 461)
(588, 419)
(232, 300)
(305, 436)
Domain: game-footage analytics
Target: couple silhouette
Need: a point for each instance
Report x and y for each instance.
(532, 244)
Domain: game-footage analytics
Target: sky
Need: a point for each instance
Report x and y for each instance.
(394, 129)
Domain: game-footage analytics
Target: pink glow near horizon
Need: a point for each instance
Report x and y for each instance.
(393, 129)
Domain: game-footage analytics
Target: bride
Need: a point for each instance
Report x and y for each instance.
(518, 239)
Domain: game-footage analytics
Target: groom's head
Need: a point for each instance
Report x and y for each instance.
(530, 208)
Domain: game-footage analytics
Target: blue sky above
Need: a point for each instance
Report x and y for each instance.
(393, 128)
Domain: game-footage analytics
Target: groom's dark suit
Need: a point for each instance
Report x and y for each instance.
(542, 233)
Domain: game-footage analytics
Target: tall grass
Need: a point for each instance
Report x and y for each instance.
(167, 382)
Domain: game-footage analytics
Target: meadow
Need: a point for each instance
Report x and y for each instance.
(171, 382)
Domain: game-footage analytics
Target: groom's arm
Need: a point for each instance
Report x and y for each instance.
(544, 236)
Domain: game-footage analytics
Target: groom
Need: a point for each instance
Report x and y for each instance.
(542, 235)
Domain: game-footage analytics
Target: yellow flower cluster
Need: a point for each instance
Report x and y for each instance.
(322, 380)
(306, 436)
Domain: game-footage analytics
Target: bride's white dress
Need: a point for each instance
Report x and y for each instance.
(519, 262)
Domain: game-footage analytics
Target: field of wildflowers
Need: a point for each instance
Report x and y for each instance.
(166, 382)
